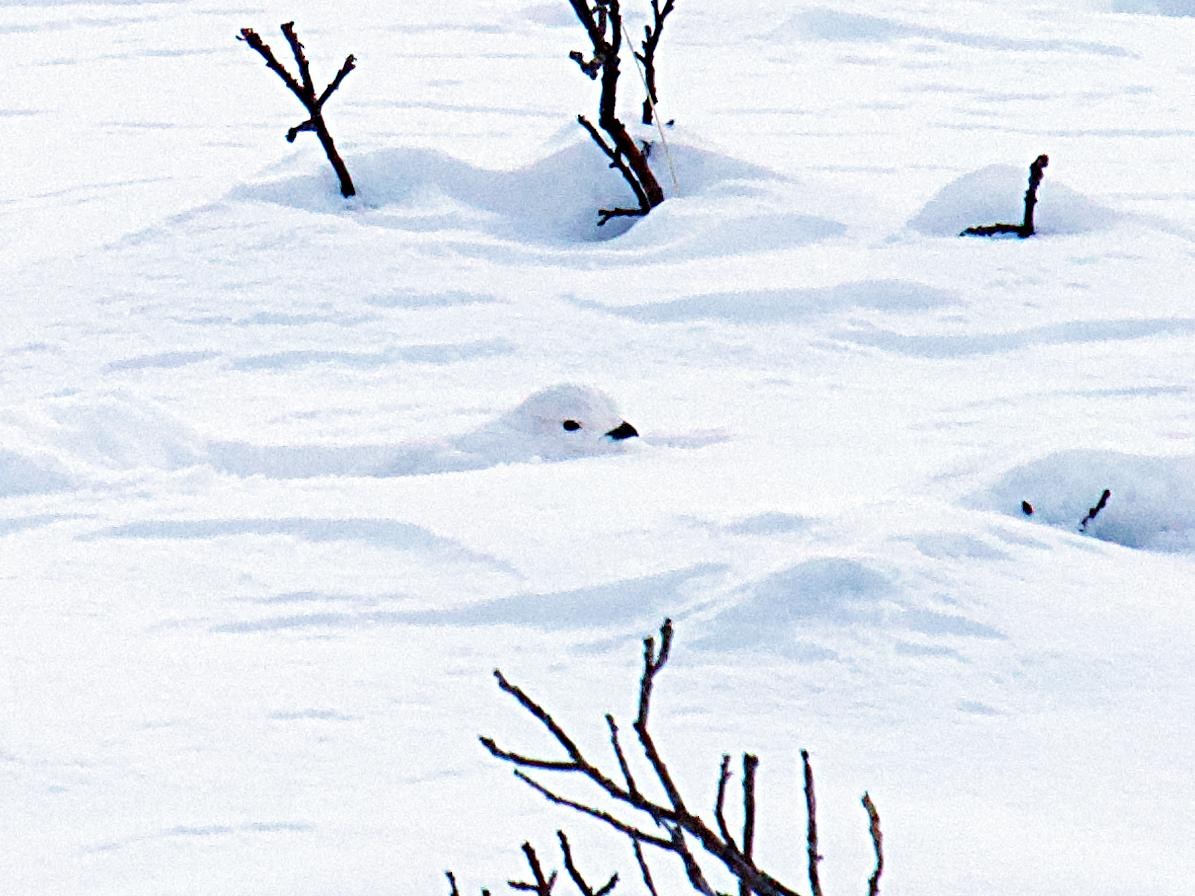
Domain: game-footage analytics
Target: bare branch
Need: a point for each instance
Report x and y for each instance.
(305, 91)
(541, 715)
(452, 883)
(296, 48)
(527, 761)
(1093, 512)
(350, 63)
(603, 25)
(643, 869)
(616, 162)
(605, 817)
(811, 831)
(720, 804)
(652, 664)
(651, 41)
(1026, 228)
(750, 764)
(692, 869)
(632, 788)
(570, 866)
(540, 886)
(253, 39)
(877, 841)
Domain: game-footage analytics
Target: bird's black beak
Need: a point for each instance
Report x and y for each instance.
(624, 430)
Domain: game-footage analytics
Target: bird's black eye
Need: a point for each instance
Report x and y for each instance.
(571, 425)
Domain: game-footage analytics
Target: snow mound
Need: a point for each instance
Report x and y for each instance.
(121, 432)
(996, 194)
(794, 612)
(1152, 505)
(553, 200)
(50, 447)
(562, 422)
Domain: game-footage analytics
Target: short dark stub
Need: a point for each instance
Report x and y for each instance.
(623, 431)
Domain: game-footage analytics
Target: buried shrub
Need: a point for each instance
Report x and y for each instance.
(650, 822)
(304, 89)
(1025, 229)
(603, 25)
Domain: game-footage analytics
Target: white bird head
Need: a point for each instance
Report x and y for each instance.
(567, 420)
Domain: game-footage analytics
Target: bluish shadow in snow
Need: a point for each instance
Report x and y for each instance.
(951, 346)
(785, 612)
(414, 300)
(377, 533)
(996, 194)
(22, 524)
(955, 546)
(1178, 8)
(617, 604)
(22, 474)
(206, 831)
(785, 305)
(435, 354)
(770, 524)
(824, 23)
(1152, 505)
(161, 361)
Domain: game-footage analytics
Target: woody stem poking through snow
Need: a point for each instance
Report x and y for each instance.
(304, 88)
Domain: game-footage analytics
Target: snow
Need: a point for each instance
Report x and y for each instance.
(283, 477)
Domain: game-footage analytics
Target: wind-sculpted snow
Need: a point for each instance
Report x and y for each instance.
(823, 23)
(283, 477)
(785, 306)
(789, 612)
(561, 422)
(611, 607)
(554, 200)
(1152, 502)
(996, 194)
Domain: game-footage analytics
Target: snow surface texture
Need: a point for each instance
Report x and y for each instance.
(283, 477)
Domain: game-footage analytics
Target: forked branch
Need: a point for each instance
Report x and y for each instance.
(304, 89)
(603, 25)
(651, 41)
(667, 824)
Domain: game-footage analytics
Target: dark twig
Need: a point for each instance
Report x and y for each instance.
(454, 891)
(304, 89)
(605, 817)
(623, 765)
(1026, 228)
(540, 886)
(617, 163)
(643, 869)
(811, 831)
(651, 40)
(571, 867)
(603, 25)
(1093, 512)
(663, 823)
(750, 764)
(720, 803)
(692, 869)
(877, 841)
